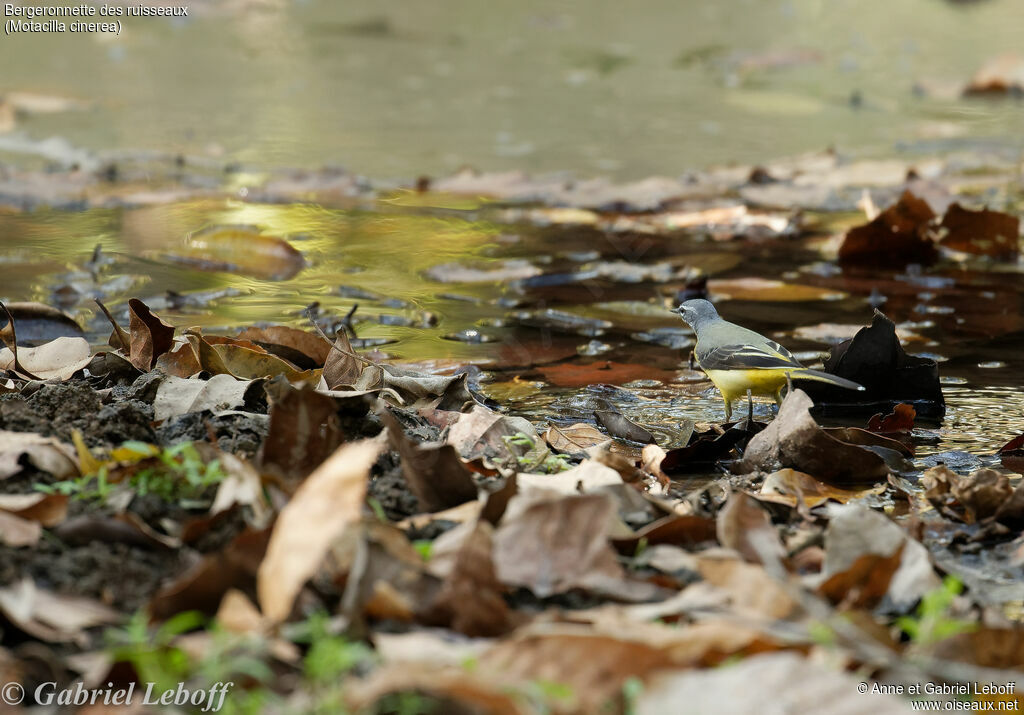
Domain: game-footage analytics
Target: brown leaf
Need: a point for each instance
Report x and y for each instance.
(47, 509)
(553, 546)
(982, 493)
(896, 237)
(290, 344)
(574, 439)
(865, 583)
(304, 430)
(472, 691)
(795, 440)
(986, 647)
(793, 488)
(481, 432)
(434, 472)
(984, 232)
(150, 336)
(180, 361)
(341, 369)
(901, 419)
(470, 600)
(855, 530)
(745, 527)
(328, 500)
(202, 586)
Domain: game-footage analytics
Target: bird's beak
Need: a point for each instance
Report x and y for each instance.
(678, 310)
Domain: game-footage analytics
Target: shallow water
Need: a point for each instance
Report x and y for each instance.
(402, 89)
(386, 261)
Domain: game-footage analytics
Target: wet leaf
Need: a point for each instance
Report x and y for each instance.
(898, 236)
(793, 488)
(38, 323)
(434, 472)
(984, 232)
(706, 448)
(1002, 74)
(876, 359)
(901, 419)
(1011, 454)
(329, 500)
(795, 440)
(754, 288)
(242, 249)
(620, 426)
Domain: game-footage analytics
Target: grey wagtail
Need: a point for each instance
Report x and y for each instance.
(737, 359)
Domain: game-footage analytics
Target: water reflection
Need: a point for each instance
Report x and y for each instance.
(551, 349)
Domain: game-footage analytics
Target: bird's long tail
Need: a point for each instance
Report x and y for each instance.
(818, 376)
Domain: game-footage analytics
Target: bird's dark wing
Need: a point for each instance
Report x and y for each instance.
(746, 357)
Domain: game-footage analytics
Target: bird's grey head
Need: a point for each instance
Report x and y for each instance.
(696, 312)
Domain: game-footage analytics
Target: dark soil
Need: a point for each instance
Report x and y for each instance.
(123, 576)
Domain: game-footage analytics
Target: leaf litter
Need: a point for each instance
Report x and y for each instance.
(330, 492)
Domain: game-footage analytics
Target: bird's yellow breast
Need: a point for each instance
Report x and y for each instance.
(733, 384)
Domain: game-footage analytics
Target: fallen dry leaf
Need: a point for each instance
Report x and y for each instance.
(47, 509)
(790, 682)
(177, 396)
(855, 530)
(434, 472)
(58, 359)
(795, 440)
(16, 531)
(574, 439)
(44, 453)
(555, 545)
(52, 617)
(328, 500)
(304, 430)
(341, 368)
(744, 526)
(150, 337)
